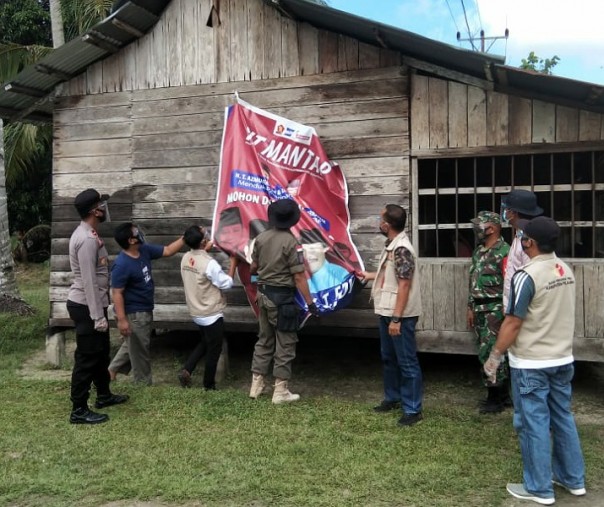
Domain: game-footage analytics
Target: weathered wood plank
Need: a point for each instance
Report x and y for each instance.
(376, 167)
(544, 122)
(593, 296)
(443, 280)
(143, 63)
(238, 10)
(94, 78)
(290, 57)
(497, 119)
(222, 43)
(91, 164)
(158, 71)
(108, 181)
(205, 39)
(272, 42)
(190, 157)
(90, 101)
(426, 319)
(93, 131)
(92, 147)
(567, 124)
(190, 47)
(389, 57)
(378, 186)
(458, 114)
(589, 126)
(177, 140)
(308, 49)
(168, 175)
(93, 115)
(579, 301)
(420, 113)
(328, 52)
(255, 42)
(173, 193)
(369, 56)
(460, 296)
(437, 89)
(477, 120)
(520, 128)
(351, 53)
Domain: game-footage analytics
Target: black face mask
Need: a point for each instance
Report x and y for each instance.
(384, 229)
(139, 236)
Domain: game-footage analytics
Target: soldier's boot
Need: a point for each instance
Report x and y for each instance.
(506, 399)
(493, 403)
(282, 394)
(257, 385)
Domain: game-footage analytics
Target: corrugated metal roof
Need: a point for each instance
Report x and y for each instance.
(26, 96)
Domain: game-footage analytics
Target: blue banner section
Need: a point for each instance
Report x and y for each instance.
(247, 181)
(319, 220)
(332, 298)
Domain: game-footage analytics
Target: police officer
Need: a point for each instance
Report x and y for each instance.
(87, 303)
(278, 260)
(485, 304)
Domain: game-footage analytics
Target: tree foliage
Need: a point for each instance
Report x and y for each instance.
(25, 22)
(541, 65)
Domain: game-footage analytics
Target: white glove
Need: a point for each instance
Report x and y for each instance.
(101, 325)
(492, 364)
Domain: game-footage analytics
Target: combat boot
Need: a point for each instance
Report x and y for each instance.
(282, 394)
(493, 404)
(257, 385)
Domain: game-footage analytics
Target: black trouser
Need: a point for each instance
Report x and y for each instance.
(210, 344)
(91, 357)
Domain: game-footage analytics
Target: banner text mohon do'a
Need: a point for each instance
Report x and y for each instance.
(265, 157)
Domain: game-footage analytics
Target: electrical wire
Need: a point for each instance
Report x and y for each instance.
(465, 15)
(452, 16)
(478, 10)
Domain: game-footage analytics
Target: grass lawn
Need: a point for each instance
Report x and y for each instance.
(189, 447)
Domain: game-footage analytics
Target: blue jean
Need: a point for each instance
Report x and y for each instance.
(402, 374)
(542, 408)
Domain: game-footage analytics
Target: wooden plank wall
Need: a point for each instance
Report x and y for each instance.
(448, 115)
(250, 41)
(158, 151)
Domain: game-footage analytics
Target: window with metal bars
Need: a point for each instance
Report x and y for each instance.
(569, 187)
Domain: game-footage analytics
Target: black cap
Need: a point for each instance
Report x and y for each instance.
(85, 201)
(544, 230)
(283, 213)
(522, 201)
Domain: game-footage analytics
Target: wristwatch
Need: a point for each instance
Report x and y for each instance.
(396, 319)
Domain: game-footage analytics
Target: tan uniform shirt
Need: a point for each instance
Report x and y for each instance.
(278, 256)
(90, 267)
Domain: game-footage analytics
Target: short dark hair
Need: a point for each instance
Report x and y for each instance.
(193, 237)
(396, 216)
(122, 234)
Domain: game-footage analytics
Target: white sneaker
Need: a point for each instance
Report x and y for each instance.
(518, 491)
(572, 491)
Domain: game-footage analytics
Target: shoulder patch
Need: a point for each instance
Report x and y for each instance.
(300, 253)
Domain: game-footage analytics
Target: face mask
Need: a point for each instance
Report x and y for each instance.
(383, 228)
(480, 233)
(138, 235)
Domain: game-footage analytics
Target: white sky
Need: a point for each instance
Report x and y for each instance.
(574, 31)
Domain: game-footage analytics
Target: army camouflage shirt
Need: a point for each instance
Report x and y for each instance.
(486, 277)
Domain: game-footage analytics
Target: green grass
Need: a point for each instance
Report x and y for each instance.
(222, 449)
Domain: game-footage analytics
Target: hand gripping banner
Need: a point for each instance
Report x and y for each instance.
(265, 157)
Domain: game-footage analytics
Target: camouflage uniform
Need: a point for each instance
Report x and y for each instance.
(485, 297)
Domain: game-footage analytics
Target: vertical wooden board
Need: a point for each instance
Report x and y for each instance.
(141, 78)
(593, 280)
(579, 302)
(477, 119)
(426, 319)
(497, 119)
(520, 120)
(172, 42)
(94, 78)
(189, 19)
(443, 296)
(75, 86)
(458, 115)
(462, 275)
(272, 42)
(238, 10)
(158, 72)
(420, 113)
(328, 52)
(589, 126)
(414, 208)
(308, 49)
(389, 58)
(369, 56)
(567, 124)
(439, 109)
(110, 73)
(351, 53)
(290, 59)
(205, 41)
(255, 41)
(544, 122)
(222, 46)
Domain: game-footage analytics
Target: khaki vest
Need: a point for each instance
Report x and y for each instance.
(547, 331)
(203, 298)
(385, 286)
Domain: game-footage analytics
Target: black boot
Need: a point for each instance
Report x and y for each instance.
(84, 415)
(506, 399)
(493, 404)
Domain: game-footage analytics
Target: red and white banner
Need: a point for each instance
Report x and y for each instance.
(265, 157)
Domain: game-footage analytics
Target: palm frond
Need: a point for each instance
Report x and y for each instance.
(14, 57)
(81, 15)
(24, 144)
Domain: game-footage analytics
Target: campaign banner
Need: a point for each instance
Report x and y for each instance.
(265, 157)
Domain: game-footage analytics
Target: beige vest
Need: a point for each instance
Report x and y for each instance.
(203, 298)
(385, 286)
(547, 331)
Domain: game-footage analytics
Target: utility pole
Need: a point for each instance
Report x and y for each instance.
(482, 39)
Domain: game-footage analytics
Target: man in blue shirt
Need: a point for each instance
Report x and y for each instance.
(132, 292)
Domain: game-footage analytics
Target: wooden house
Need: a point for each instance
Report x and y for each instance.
(443, 131)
